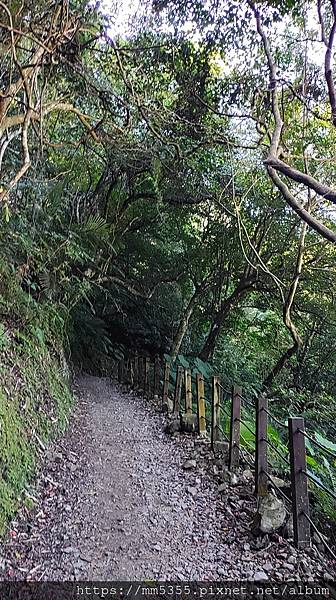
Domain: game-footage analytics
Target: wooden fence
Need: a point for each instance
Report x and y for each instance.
(177, 391)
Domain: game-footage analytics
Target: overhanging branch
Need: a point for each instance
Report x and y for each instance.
(299, 177)
(302, 212)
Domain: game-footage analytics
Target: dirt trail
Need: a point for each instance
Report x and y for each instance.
(144, 515)
(114, 502)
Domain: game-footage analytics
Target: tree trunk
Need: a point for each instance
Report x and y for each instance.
(287, 318)
(184, 322)
(242, 288)
(279, 365)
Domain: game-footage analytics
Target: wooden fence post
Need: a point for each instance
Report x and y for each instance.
(200, 403)
(215, 413)
(121, 371)
(129, 371)
(165, 385)
(132, 361)
(127, 375)
(188, 391)
(136, 372)
(178, 389)
(146, 377)
(156, 386)
(299, 482)
(261, 468)
(235, 428)
(141, 370)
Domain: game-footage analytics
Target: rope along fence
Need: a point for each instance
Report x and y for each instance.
(210, 407)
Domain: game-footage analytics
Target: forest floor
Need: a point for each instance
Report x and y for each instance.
(118, 499)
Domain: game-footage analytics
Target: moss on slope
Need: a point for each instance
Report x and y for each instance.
(35, 399)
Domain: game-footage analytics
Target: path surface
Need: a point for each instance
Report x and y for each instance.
(115, 502)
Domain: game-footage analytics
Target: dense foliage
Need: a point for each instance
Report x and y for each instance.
(172, 190)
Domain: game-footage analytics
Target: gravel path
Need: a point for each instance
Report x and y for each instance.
(116, 502)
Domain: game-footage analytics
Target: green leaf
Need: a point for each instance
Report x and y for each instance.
(7, 213)
(183, 361)
(309, 447)
(312, 462)
(327, 443)
(168, 358)
(328, 467)
(203, 368)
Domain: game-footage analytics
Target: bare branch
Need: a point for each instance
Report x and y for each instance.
(4, 193)
(327, 65)
(275, 141)
(322, 190)
(273, 162)
(299, 209)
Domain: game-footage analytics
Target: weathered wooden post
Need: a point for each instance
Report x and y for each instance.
(200, 403)
(261, 467)
(136, 372)
(299, 482)
(156, 386)
(113, 369)
(132, 362)
(125, 376)
(215, 412)
(178, 389)
(234, 446)
(188, 391)
(165, 386)
(128, 375)
(147, 377)
(141, 370)
(121, 366)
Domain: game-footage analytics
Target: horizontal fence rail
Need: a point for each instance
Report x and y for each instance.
(219, 412)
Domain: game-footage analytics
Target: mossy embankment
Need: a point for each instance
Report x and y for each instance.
(35, 397)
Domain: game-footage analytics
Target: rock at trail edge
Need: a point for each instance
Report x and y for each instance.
(189, 423)
(271, 514)
(173, 425)
(168, 406)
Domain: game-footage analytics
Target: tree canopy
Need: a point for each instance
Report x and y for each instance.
(173, 189)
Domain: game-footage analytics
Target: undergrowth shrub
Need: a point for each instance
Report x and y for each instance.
(35, 398)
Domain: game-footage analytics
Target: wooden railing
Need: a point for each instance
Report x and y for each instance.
(215, 405)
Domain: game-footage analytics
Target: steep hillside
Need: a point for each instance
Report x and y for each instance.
(35, 398)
